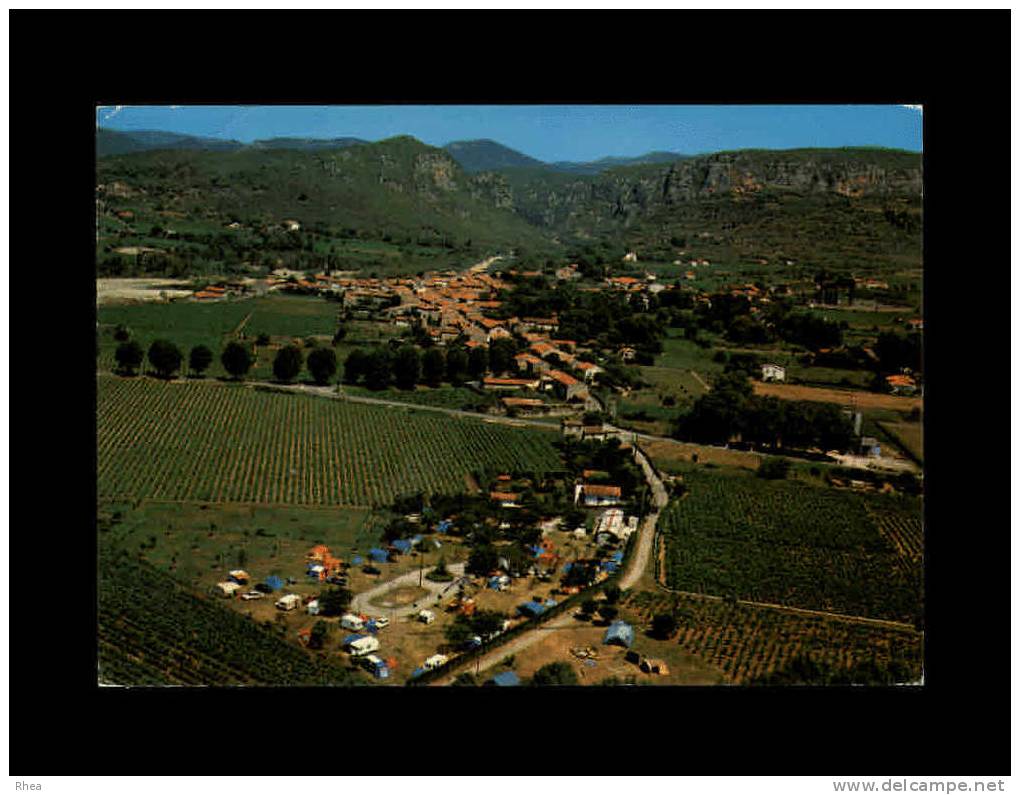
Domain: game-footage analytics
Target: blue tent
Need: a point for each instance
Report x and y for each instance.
(567, 567)
(610, 567)
(444, 525)
(621, 633)
(617, 557)
(416, 539)
(357, 560)
(274, 582)
(378, 555)
(532, 609)
(506, 679)
(371, 627)
(402, 545)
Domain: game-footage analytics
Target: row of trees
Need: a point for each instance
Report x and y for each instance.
(166, 359)
(380, 367)
(732, 411)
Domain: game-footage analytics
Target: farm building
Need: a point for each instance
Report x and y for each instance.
(505, 679)
(619, 633)
(572, 428)
(566, 386)
(773, 372)
(228, 588)
(594, 496)
(289, 602)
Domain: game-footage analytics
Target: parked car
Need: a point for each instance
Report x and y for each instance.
(252, 595)
(381, 622)
(371, 570)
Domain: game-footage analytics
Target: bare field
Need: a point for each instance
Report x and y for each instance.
(110, 291)
(843, 397)
(666, 455)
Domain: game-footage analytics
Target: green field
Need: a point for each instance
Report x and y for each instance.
(152, 631)
(197, 542)
(795, 544)
(222, 442)
(451, 397)
(191, 323)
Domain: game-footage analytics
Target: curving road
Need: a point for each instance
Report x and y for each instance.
(361, 602)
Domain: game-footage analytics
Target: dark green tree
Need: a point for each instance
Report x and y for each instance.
(378, 369)
(287, 363)
(478, 362)
(320, 631)
(334, 602)
(129, 356)
(236, 359)
(165, 357)
(433, 366)
(199, 359)
(664, 625)
(407, 367)
(555, 673)
(456, 365)
(501, 355)
(322, 365)
(355, 366)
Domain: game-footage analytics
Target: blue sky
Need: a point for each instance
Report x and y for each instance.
(549, 132)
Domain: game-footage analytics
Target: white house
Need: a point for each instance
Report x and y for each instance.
(773, 372)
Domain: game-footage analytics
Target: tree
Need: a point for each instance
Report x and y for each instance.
(501, 355)
(465, 679)
(482, 560)
(588, 606)
(456, 365)
(317, 639)
(322, 365)
(555, 673)
(236, 359)
(199, 359)
(478, 362)
(165, 357)
(129, 356)
(433, 366)
(608, 612)
(121, 333)
(341, 332)
(378, 369)
(773, 468)
(287, 363)
(355, 366)
(664, 626)
(407, 367)
(334, 602)
(613, 594)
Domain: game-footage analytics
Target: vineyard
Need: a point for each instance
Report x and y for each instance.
(747, 642)
(218, 442)
(794, 544)
(152, 632)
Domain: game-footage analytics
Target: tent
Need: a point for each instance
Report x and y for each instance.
(274, 582)
(444, 525)
(357, 560)
(620, 633)
(617, 556)
(550, 603)
(532, 609)
(402, 545)
(505, 679)
(378, 555)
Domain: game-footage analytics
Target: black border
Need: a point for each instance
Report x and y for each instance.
(60, 722)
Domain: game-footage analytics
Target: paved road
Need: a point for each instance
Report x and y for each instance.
(361, 602)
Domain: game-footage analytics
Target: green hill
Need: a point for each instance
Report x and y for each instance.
(487, 155)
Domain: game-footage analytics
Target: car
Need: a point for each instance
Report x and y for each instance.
(253, 595)
(337, 581)
(371, 570)
(381, 622)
